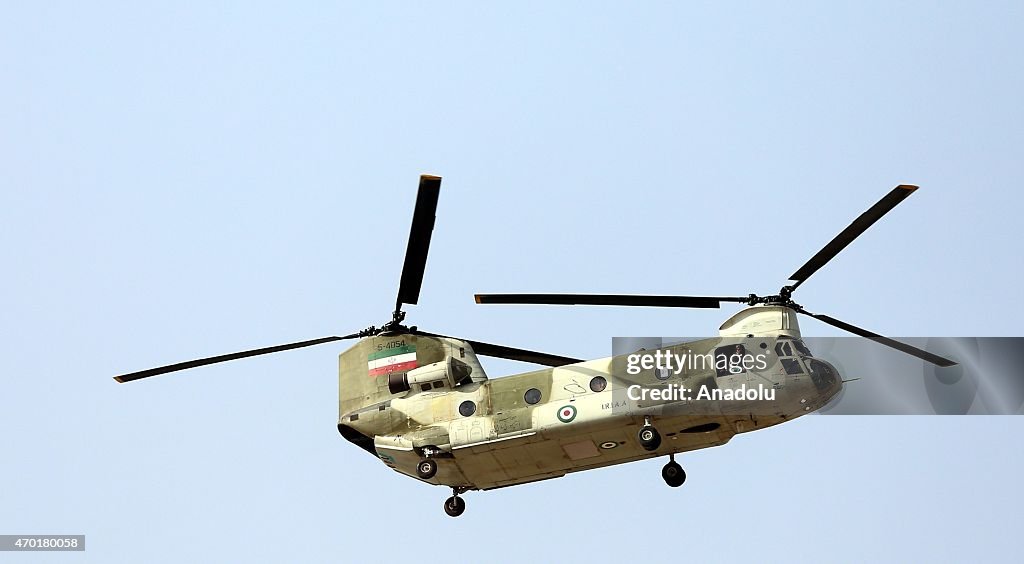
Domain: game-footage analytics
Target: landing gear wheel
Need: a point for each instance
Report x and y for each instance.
(649, 437)
(673, 474)
(454, 506)
(426, 469)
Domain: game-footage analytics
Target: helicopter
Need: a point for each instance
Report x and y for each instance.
(423, 405)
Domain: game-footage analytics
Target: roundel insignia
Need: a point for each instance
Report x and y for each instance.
(566, 413)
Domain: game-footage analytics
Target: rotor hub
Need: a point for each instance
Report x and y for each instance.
(783, 298)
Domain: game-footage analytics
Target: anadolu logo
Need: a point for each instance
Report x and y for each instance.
(566, 413)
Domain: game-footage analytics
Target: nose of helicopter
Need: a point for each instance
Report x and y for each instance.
(819, 386)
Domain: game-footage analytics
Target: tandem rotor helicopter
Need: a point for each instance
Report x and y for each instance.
(422, 404)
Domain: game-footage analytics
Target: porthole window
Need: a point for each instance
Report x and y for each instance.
(598, 384)
(532, 396)
(467, 408)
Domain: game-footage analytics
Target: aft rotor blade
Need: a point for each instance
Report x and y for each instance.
(224, 358)
(524, 355)
(903, 347)
(607, 299)
(512, 353)
(419, 240)
(859, 225)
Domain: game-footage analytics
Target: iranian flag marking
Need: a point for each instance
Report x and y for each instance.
(398, 359)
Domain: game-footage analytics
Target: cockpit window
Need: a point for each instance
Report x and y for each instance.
(822, 375)
(782, 348)
(800, 346)
(792, 366)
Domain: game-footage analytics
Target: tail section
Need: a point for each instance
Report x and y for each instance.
(379, 369)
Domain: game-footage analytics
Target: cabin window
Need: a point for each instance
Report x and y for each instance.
(439, 384)
(598, 384)
(425, 387)
(467, 408)
(730, 358)
(532, 396)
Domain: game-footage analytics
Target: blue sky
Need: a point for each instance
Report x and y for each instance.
(179, 181)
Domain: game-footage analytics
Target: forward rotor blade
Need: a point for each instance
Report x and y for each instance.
(859, 225)
(705, 302)
(512, 353)
(903, 347)
(419, 240)
(224, 358)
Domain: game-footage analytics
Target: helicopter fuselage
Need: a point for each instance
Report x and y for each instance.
(491, 433)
